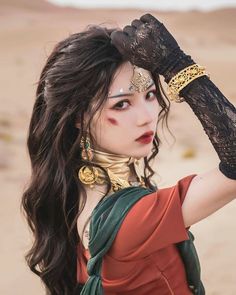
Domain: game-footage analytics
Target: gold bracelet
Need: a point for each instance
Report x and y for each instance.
(182, 79)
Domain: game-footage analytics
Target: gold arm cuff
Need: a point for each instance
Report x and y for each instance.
(182, 79)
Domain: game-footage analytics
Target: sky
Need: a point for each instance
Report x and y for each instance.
(149, 4)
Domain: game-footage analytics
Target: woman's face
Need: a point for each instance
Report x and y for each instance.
(127, 114)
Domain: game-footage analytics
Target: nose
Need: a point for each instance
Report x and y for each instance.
(145, 114)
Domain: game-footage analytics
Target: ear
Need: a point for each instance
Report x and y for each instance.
(78, 122)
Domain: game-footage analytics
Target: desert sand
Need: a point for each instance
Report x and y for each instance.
(28, 32)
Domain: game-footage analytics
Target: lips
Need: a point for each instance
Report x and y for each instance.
(146, 138)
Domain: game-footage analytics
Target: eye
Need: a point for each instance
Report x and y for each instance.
(151, 94)
(121, 105)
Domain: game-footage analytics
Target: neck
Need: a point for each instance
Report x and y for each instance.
(117, 164)
(122, 170)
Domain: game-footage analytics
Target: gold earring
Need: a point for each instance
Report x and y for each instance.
(86, 153)
(87, 175)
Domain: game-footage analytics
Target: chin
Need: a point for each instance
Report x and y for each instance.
(142, 154)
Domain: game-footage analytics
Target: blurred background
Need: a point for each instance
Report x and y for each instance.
(28, 32)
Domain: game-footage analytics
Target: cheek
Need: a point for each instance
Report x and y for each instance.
(156, 109)
(112, 121)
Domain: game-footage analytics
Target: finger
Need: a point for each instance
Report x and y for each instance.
(148, 18)
(136, 23)
(129, 30)
(119, 40)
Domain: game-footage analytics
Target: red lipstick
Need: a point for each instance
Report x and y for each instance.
(146, 137)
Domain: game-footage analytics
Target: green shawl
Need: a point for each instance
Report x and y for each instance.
(106, 220)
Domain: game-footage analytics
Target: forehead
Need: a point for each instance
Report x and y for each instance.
(123, 78)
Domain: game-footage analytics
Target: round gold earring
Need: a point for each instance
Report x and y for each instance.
(88, 175)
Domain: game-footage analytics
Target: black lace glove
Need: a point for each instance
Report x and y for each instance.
(148, 44)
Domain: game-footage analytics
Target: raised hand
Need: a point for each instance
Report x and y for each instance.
(148, 44)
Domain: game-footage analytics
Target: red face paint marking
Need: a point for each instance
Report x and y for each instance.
(112, 121)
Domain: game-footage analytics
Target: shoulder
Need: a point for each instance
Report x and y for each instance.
(153, 222)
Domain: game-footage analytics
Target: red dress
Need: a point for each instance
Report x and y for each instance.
(143, 258)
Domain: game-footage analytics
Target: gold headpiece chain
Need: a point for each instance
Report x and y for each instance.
(141, 80)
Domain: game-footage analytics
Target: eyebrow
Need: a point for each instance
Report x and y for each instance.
(128, 94)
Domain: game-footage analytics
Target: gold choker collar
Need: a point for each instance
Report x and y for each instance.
(118, 168)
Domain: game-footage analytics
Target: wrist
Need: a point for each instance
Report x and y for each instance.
(180, 81)
(176, 62)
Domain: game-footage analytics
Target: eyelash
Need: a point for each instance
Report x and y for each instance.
(116, 106)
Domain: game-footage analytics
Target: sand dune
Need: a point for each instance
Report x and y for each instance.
(28, 31)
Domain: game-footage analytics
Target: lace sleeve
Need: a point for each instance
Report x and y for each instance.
(218, 118)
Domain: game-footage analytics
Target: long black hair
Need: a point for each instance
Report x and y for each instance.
(79, 71)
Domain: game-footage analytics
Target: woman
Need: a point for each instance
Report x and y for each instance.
(91, 201)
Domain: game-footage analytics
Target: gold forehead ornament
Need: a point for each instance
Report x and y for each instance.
(141, 80)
